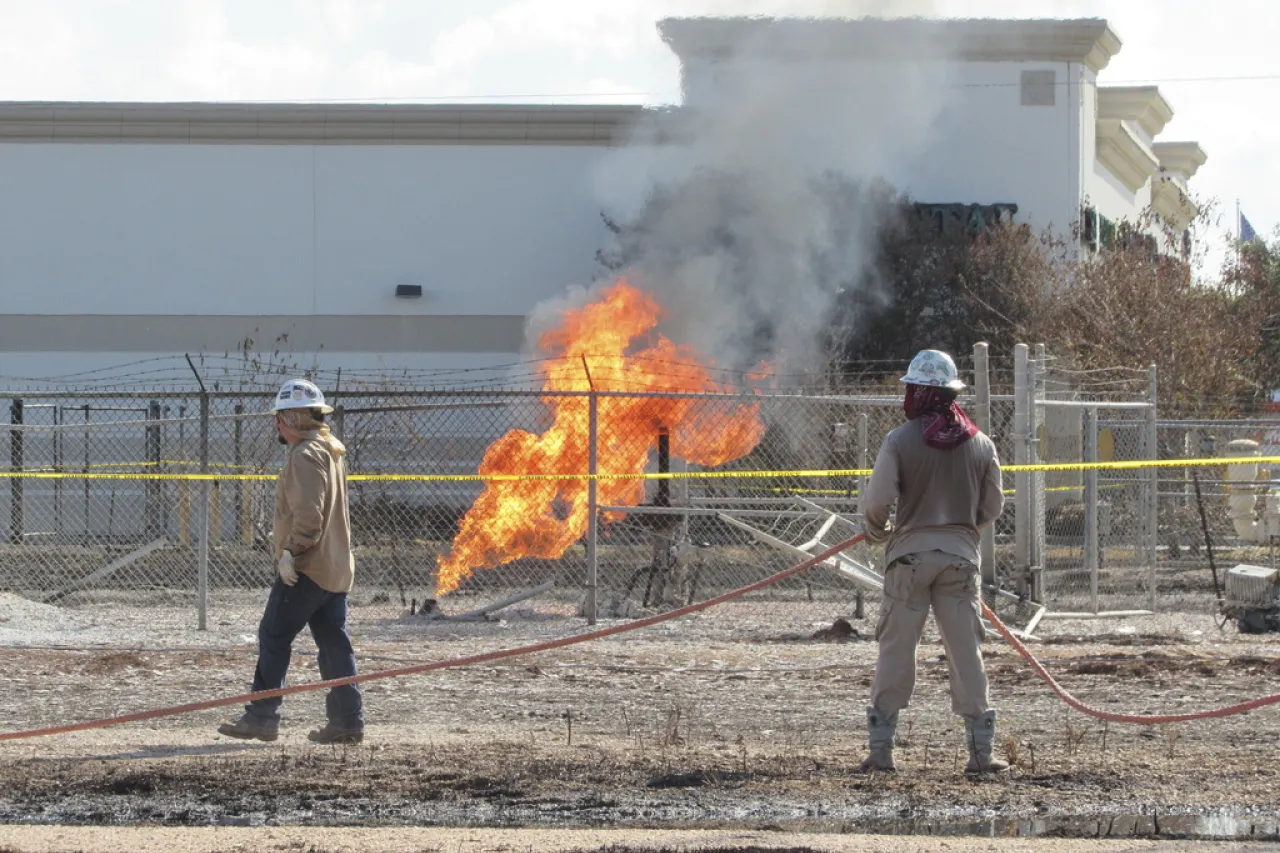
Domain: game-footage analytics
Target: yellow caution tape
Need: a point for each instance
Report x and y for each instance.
(174, 463)
(1048, 467)
(851, 492)
(1101, 488)
(773, 490)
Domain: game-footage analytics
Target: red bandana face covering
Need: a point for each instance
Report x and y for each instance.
(945, 424)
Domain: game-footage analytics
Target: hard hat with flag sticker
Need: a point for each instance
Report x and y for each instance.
(935, 369)
(300, 394)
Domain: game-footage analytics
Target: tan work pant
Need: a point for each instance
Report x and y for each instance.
(951, 585)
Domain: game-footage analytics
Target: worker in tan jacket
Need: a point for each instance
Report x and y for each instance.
(315, 571)
(943, 475)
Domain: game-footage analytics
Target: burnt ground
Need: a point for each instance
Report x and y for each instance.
(671, 727)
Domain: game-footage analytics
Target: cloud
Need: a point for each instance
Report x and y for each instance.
(40, 46)
(214, 64)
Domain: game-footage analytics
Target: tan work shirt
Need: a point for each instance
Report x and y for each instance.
(944, 497)
(312, 519)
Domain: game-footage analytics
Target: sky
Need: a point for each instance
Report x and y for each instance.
(603, 51)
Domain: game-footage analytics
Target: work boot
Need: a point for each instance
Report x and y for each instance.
(249, 727)
(880, 731)
(336, 734)
(980, 733)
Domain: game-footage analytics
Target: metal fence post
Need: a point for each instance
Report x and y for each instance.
(982, 412)
(58, 524)
(1039, 393)
(17, 524)
(864, 463)
(593, 441)
(1153, 484)
(982, 387)
(154, 498)
(1022, 480)
(88, 531)
(864, 453)
(1190, 448)
(241, 491)
(184, 485)
(202, 572)
(1091, 546)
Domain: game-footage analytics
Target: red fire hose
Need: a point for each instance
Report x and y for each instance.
(444, 664)
(1037, 667)
(1110, 716)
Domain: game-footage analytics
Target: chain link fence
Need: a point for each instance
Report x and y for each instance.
(112, 499)
(1206, 511)
(166, 499)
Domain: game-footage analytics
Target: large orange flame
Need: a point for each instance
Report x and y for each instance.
(596, 347)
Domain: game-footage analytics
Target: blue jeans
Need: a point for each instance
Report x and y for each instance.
(289, 609)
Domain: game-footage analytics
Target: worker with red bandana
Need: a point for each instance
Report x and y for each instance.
(943, 475)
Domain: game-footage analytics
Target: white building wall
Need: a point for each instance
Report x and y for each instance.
(1103, 190)
(1111, 198)
(485, 230)
(287, 225)
(293, 230)
(990, 148)
(966, 136)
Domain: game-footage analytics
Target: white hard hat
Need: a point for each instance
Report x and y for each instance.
(934, 368)
(300, 394)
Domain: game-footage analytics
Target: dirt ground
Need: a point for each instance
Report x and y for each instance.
(751, 733)
(222, 839)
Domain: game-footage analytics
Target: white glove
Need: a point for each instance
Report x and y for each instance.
(285, 568)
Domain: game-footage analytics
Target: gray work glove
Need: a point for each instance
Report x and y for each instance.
(285, 568)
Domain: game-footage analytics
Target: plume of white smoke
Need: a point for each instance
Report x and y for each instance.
(736, 237)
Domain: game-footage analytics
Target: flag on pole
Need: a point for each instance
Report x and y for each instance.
(1247, 233)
